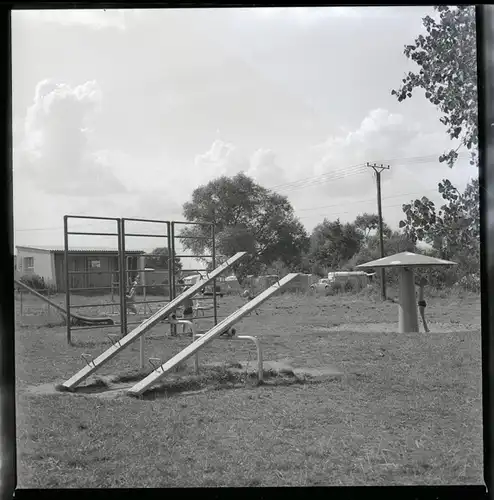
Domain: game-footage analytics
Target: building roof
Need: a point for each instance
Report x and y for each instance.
(407, 259)
(60, 249)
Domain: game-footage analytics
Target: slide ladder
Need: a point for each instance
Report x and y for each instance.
(142, 386)
(146, 325)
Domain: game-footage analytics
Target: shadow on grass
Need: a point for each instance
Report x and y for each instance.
(211, 378)
(104, 341)
(91, 343)
(38, 325)
(220, 379)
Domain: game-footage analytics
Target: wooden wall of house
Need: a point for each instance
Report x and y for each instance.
(96, 268)
(59, 273)
(97, 272)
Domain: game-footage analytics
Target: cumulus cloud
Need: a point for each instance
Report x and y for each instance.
(381, 135)
(56, 151)
(264, 169)
(227, 159)
(222, 158)
(336, 172)
(217, 156)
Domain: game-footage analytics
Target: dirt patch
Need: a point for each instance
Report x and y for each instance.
(319, 373)
(43, 389)
(278, 368)
(213, 376)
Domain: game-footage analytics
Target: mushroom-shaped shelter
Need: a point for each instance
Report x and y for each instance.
(407, 262)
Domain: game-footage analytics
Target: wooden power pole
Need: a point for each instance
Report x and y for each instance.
(377, 170)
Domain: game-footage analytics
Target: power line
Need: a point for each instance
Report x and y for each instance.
(323, 179)
(360, 202)
(336, 178)
(368, 200)
(419, 159)
(56, 228)
(313, 181)
(346, 212)
(44, 228)
(357, 202)
(356, 169)
(326, 180)
(74, 226)
(316, 176)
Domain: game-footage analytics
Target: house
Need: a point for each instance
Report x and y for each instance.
(95, 267)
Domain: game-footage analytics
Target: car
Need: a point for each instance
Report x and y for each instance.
(322, 284)
(207, 291)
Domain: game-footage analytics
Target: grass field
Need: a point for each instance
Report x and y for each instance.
(407, 409)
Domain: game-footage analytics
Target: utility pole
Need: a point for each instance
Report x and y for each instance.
(377, 170)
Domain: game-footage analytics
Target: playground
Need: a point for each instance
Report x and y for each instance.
(398, 408)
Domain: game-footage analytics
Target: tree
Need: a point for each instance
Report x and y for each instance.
(306, 265)
(448, 74)
(159, 259)
(277, 267)
(366, 223)
(332, 244)
(247, 217)
(453, 231)
(394, 242)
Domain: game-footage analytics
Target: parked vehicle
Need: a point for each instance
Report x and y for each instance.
(322, 284)
(207, 291)
(343, 280)
(349, 280)
(192, 280)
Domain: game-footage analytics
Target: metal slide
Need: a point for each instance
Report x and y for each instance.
(75, 318)
(217, 330)
(146, 325)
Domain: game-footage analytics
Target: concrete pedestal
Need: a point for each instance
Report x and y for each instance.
(408, 321)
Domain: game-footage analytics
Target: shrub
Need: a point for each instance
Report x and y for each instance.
(180, 367)
(470, 283)
(351, 286)
(438, 277)
(38, 283)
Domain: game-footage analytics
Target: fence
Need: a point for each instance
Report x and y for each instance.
(211, 239)
(130, 265)
(31, 310)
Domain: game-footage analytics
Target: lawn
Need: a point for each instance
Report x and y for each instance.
(407, 409)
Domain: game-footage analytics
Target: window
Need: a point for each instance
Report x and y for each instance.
(28, 263)
(95, 264)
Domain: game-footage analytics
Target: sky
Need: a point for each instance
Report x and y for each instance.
(123, 113)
